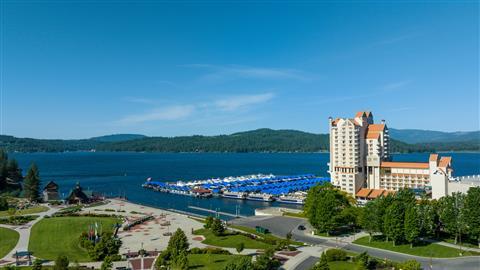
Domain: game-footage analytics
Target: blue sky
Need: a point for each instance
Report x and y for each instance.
(76, 70)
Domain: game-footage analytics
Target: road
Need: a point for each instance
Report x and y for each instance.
(280, 226)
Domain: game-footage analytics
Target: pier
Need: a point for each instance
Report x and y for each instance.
(216, 212)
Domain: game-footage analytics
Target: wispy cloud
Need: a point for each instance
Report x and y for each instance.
(392, 86)
(222, 73)
(237, 102)
(233, 108)
(168, 113)
(395, 39)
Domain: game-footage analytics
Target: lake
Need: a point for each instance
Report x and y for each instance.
(123, 173)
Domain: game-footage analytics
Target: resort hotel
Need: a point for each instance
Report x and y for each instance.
(361, 165)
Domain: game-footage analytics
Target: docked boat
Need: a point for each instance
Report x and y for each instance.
(290, 199)
(234, 195)
(260, 197)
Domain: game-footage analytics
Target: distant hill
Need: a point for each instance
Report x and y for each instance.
(118, 137)
(260, 140)
(430, 136)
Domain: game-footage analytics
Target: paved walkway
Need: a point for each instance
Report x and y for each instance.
(24, 231)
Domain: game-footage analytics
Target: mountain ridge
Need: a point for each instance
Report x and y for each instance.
(259, 140)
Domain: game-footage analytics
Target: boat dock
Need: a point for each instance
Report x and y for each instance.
(260, 187)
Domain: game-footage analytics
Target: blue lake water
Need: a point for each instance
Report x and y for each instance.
(123, 173)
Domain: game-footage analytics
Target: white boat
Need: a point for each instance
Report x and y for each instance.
(260, 197)
(290, 199)
(234, 195)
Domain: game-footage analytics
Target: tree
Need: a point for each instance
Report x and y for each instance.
(369, 218)
(217, 227)
(451, 214)
(472, 213)
(180, 262)
(411, 228)
(208, 222)
(323, 206)
(107, 263)
(428, 222)
(243, 263)
(14, 171)
(3, 204)
(32, 184)
(239, 247)
(37, 264)
(178, 243)
(61, 263)
(393, 222)
(322, 264)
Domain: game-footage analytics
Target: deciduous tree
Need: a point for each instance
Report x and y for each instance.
(411, 223)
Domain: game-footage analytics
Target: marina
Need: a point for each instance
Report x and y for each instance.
(260, 187)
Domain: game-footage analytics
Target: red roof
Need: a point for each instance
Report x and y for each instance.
(405, 165)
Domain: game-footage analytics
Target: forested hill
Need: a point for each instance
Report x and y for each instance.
(260, 140)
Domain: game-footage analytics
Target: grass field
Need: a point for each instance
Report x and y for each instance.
(230, 240)
(32, 210)
(52, 236)
(266, 236)
(210, 261)
(424, 249)
(8, 240)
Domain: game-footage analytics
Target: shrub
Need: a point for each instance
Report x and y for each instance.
(334, 255)
(61, 263)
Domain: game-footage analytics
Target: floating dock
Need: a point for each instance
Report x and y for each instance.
(261, 187)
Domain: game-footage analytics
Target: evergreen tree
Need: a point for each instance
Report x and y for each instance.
(472, 213)
(14, 171)
(180, 262)
(217, 227)
(3, 204)
(178, 243)
(411, 228)
(32, 184)
(393, 222)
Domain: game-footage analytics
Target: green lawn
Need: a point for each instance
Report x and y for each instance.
(32, 210)
(52, 236)
(210, 261)
(8, 240)
(341, 265)
(423, 249)
(230, 240)
(266, 236)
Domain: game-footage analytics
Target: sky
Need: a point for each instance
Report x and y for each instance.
(73, 69)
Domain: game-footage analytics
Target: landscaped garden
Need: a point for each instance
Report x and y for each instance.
(52, 236)
(31, 210)
(210, 261)
(419, 249)
(8, 240)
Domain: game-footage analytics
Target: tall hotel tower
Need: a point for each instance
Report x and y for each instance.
(357, 146)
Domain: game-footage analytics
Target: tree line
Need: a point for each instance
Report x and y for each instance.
(399, 218)
(261, 140)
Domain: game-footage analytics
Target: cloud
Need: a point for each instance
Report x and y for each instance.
(395, 85)
(237, 102)
(396, 39)
(223, 73)
(139, 100)
(169, 113)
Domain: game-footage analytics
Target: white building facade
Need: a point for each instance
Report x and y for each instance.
(360, 158)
